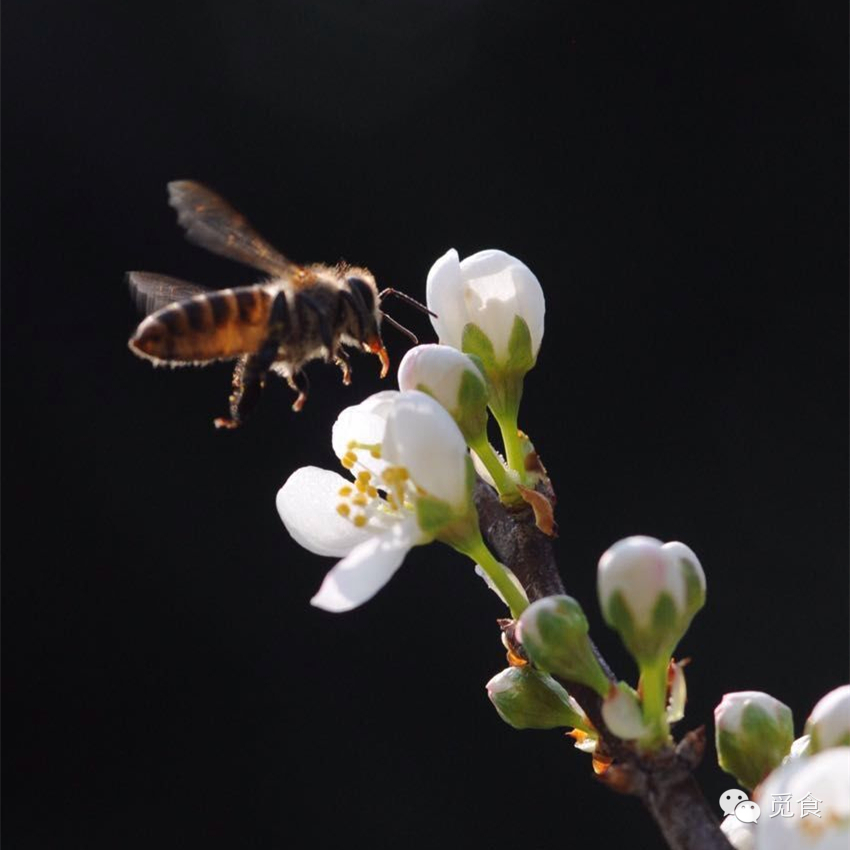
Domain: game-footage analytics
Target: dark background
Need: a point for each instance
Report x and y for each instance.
(676, 177)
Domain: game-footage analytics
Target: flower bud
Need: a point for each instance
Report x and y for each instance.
(622, 713)
(528, 699)
(753, 733)
(649, 593)
(829, 723)
(453, 379)
(495, 294)
(554, 633)
(819, 791)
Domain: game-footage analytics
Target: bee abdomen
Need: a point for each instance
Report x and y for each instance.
(212, 326)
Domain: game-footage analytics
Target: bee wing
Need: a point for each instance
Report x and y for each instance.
(152, 291)
(213, 224)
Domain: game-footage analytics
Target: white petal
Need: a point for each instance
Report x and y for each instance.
(307, 505)
(444, 295)
(359, 576)
(422, 437)
(363, 423)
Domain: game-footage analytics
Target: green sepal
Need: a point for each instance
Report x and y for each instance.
(646, 643)
(520, 356)
(471, 415)
(476, 343)
(695, 593)
(433, 514)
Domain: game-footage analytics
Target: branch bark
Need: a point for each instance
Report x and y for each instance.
(663, 780)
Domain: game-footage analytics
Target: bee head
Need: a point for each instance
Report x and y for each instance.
(364, 326)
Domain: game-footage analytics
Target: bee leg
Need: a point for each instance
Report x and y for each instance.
(341, 360)
(301, 384)
(324, 325)
(249, 376)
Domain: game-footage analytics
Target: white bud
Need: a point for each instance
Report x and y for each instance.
(829, 723)
(649, 592)
(490, 289)
(453, 379)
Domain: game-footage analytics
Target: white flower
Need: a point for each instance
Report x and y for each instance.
(829, 723)
(489, 289)
(819, 784)
(403, 449)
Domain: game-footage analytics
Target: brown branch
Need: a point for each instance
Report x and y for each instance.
(663, 780)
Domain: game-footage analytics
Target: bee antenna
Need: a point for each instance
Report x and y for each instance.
(401, 328)
(386, 293)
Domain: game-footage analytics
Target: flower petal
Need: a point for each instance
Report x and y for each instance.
(307, 505)
(363, 423)
(444, 296)
(422, 437)
(359, 576)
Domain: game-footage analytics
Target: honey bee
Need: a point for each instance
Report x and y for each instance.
(298, 314)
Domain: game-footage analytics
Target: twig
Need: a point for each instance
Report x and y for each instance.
(662, 780)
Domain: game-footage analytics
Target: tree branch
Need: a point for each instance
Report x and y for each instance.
(662, 780)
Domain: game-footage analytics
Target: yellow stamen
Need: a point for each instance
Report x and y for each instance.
(345, 491)
(349, 459)
(360, 500)
(376, 453)
(371, 492)
(342, 509)
(365, 476)
(360, 485)
(360, 520)
(393, 503)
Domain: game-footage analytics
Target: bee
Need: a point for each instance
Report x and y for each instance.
(298, 314)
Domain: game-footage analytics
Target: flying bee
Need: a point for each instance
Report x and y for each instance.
(298, 314)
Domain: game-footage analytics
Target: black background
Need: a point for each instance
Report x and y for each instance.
(676, 179)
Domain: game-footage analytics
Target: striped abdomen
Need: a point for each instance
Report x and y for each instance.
(212, 326)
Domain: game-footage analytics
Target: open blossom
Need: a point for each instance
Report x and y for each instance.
(408, 463)
(818, 788)
(490, 289)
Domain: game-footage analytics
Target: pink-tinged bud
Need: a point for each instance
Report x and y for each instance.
(753, 733)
